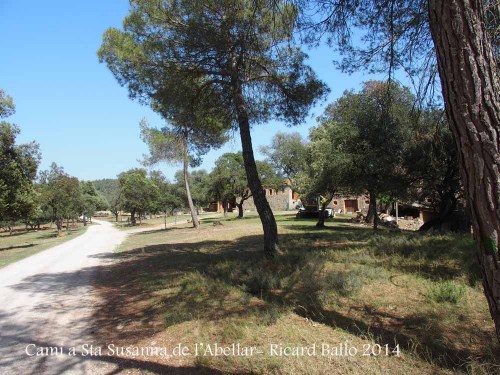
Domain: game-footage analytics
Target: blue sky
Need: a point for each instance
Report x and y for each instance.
(72, 105)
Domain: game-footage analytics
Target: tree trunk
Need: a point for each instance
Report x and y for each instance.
(59, 223)
(224, 207)
(240, 209)
(271, 244)
(132, 217)
(321, 216)
(194, 216)
(472, 100)
(324, 204)
(116, 216)
(372, 216)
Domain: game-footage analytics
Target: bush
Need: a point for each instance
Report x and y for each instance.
(446, 291)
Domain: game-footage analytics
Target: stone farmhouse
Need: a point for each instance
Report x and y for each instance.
(285, 199)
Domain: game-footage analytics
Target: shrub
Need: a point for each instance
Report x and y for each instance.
(446, 291)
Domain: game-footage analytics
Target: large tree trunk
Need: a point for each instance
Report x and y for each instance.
(194, 216)
(271, 244)
(472, 99)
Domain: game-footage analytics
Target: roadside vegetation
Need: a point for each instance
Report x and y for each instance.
(341, 283)
(22, 243)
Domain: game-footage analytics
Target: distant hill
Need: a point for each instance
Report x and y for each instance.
(108, 187)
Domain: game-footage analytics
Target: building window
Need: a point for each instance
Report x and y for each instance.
(335, 202)
(264, 190)
(270, 191)
(367, 201)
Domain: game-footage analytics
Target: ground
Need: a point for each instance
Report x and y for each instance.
(23, 243)
(343, 286)
(47, 301)
(154, 221)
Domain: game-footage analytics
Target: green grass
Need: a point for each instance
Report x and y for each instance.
(158, 222)
(22, 244)
(446, 291)
(342, 282)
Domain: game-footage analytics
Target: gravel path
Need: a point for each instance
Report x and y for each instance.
(46, 300)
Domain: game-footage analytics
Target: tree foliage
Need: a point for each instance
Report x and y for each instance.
(238, 54)
(138, 194)
(92, 200)
(287, 154)
(228, 180)
(18, 168)
(364, 136)
(61, 196)
(171, 196)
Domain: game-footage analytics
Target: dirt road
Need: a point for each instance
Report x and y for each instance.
(46, 301)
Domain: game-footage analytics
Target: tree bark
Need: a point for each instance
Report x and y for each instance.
(132, 217)
(321, 216)
(224, 207)
(372, 216)
(271, 243)
(59, 224)
(240, 209)
(324, 204)
(194, 216)
(472, 100)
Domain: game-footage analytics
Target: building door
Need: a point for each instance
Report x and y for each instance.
(351, 205)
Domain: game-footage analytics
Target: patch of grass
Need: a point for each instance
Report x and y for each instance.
(23, 244)
(349, 282)
(446, 291)
(342, 282)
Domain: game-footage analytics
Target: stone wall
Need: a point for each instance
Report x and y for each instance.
(279, 200)
(338, 204)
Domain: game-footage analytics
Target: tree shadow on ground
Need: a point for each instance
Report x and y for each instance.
(129, 280)
(141, 272)
(16, 247)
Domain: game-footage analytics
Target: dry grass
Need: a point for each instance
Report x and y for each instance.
(339, 285)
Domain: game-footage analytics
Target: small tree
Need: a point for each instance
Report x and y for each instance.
(179, 144)
(60, 195)
(377, 122)
(229, 181)
(169, 195)
(138, 193)
(328, 163)
(92, 201)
